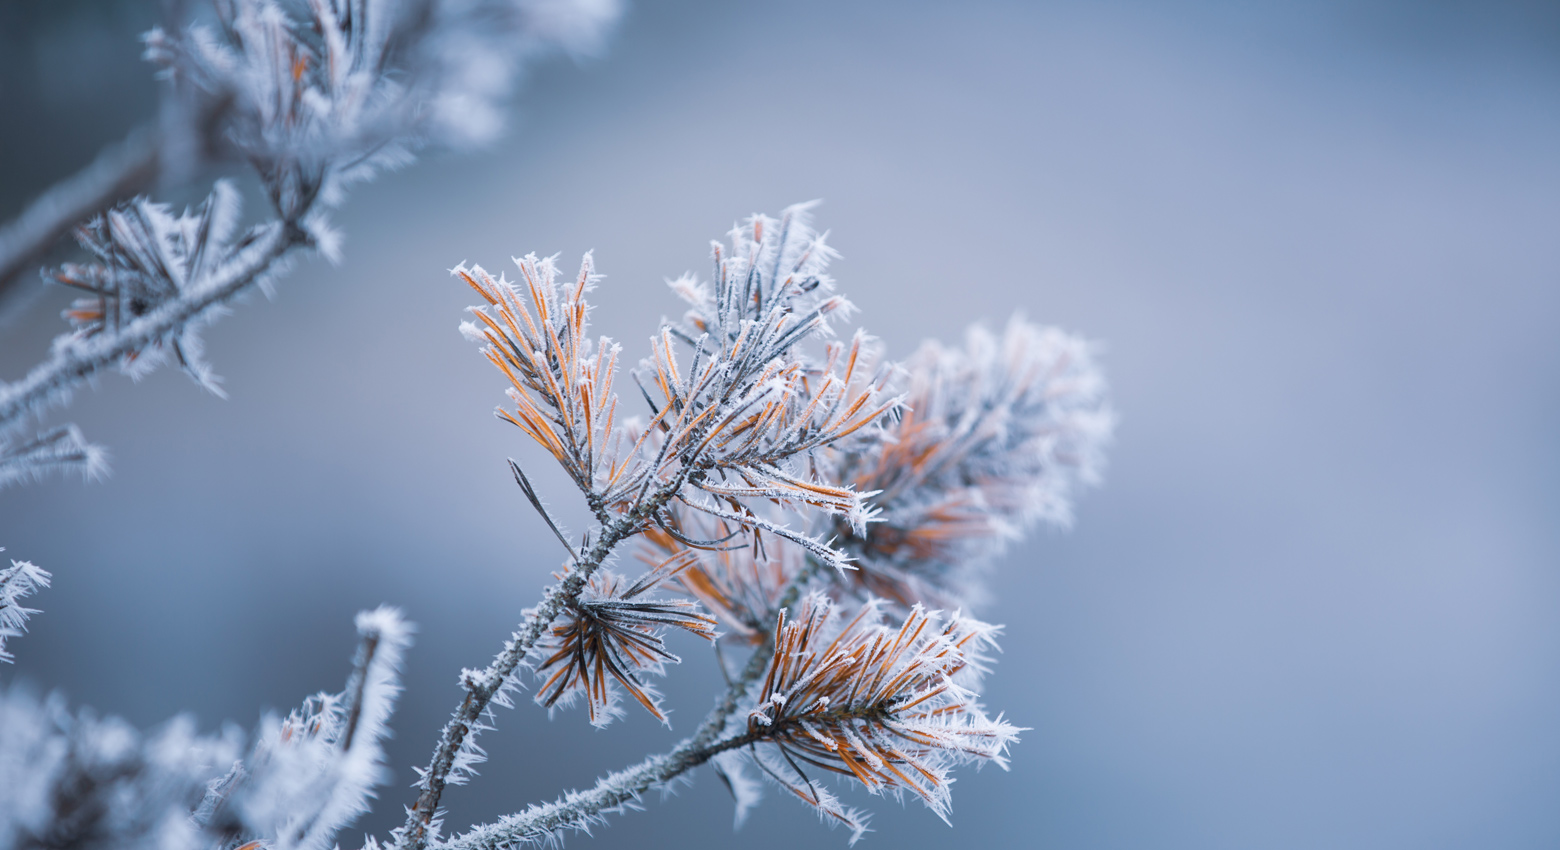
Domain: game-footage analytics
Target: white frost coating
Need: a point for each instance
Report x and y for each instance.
(147, 257)
(56, 449)
(17, 582)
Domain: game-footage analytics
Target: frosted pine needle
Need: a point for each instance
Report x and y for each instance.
(737, 576)
(61, 448)
(316, 770)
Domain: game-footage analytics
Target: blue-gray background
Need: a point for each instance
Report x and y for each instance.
(1315, 605)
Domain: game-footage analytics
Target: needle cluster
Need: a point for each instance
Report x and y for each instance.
(855, 696)
(535, 332)
(17, 582)
(146, 257)
(995, 435)
(614, 633)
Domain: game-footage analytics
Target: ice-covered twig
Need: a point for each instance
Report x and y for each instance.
(579, 810)
(312, 772)
(540, 824)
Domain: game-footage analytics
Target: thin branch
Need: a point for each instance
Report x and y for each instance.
(577, 809)
(119, 171)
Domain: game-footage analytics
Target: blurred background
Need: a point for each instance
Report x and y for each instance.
(1315, 603)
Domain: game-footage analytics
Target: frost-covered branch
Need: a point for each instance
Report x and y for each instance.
(456, 751)
(620, 791)
(580, 810)
(761, 467)
(858, 698)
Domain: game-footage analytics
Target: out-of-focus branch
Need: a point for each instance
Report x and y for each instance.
(76, 360)
(119, 171)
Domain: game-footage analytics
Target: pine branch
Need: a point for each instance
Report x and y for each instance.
(77, 360)
(61, 448)
(617, 791)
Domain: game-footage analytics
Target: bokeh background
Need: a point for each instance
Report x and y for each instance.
(1315, 603)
